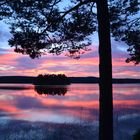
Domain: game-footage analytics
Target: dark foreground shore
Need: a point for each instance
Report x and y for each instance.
(28, 130)
(24, 130)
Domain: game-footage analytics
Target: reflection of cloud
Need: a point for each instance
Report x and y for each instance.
(129, 116)
(28, 102)
(79, 102)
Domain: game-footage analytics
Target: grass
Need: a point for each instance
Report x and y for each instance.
(23, 130)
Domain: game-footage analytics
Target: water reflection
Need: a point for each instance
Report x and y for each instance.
(51, 90)
(78, 98)
(79, 103)
(11, 87)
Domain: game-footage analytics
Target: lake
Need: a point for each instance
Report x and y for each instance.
(65, 112)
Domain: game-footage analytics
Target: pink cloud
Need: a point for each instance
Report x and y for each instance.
(17, 64)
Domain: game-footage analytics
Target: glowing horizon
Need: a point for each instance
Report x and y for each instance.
(12, 63)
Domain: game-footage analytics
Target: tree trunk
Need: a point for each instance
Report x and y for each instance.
(105, 70)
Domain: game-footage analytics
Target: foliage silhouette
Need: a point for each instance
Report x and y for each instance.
(51, 90)
(52, 79)
(36, 25)
(40, 26)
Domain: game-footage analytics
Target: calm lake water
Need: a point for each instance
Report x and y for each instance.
(65, 108)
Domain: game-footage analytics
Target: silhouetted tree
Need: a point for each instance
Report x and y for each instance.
(125, 25)
(38, 26)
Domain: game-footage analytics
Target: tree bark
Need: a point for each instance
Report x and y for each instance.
(105, 72)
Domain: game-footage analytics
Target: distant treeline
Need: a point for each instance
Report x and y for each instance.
(52, 79)
(32, 80)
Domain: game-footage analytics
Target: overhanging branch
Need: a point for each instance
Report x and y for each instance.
(76, 7)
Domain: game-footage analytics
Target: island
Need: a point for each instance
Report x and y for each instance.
(52, 79)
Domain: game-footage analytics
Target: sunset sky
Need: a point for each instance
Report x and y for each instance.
(12, 63)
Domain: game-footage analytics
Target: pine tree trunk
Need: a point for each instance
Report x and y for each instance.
(105, 70)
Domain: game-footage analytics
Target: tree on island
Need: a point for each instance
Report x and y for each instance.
(52, 79)
(38, 25)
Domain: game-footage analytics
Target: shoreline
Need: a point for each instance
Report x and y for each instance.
(73, 80)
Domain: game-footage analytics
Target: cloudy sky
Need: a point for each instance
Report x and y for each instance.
(12, 63)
